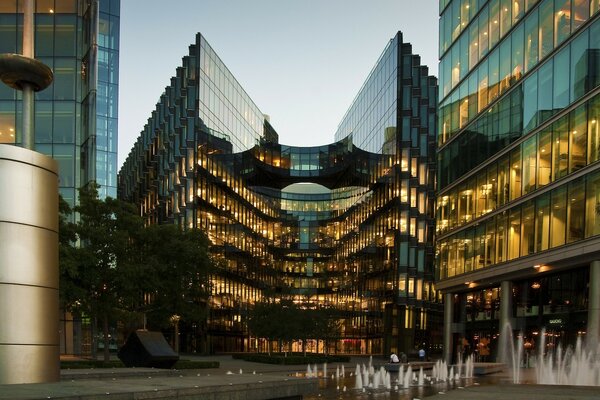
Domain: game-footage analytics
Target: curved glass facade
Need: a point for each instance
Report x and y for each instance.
(346, 225)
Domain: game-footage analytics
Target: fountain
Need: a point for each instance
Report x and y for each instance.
(572, 366)
(358, 382)
(421, 377)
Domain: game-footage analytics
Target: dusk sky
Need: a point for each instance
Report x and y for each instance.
(301, 61)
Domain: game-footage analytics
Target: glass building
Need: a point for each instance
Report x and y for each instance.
(347, 225)
(518, 221)
(76, 116)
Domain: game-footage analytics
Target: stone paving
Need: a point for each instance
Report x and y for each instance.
(255, 382)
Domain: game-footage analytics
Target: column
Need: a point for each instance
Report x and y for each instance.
(593, 328)
(448, 318)
(506, 318)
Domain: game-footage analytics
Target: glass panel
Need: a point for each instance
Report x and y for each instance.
(518, 10)
(505, 61)
(65, 39)
(8, 32)
(531, 40)
(494, 75)
(494, 22)
(473, 45)
(594, 129)
(44, 35)
(64, 79)
(580, 13)
(482, 97)
(64, 155)
(529, 164)
(561, 80)
(546, 10)
(575, 211)
(527, 228)
(545, 109)
(64, 122)
(7, 121)
(578, 138)
(490, 242)
(517, 53)
(558, 217)
(505, 17)
(592, 194)
(501, 237)
(579, 66)
(43, 122)
(8, 6)
(545, 157)
(483, 33)
(542, 222)
(560, 147)
(530, 91)
(514, 233)
(515, 173)
(594, 63)
(562, 20)
(66, 6)
(503, 179)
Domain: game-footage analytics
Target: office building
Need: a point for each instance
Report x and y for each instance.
(518, 213)
(76, 116)
(347, 225)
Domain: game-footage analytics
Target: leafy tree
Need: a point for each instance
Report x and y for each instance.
(180, 262)
(70, 291)
(105, 230)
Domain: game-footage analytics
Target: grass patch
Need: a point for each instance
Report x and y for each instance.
(91, 364)
(291, 359)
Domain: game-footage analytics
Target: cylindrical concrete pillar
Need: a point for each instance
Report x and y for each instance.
(448, 318)
(29, 340)
(506, 317)
(593, 328)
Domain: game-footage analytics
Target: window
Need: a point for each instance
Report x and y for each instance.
(542, 222)
(558, 217)
(527, 228)
(530, 102)
(562, 20)
(531, 40)
(560, 147)
(561, 80)
(545, 158)
(577, 138)
(529, 164)
(592, 194)
(575, 211)
(546, 26)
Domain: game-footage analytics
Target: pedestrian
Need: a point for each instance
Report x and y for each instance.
(421, 354)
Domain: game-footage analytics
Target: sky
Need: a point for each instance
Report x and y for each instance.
(301, 61)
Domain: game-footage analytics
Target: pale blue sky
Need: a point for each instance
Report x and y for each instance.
(301, 61)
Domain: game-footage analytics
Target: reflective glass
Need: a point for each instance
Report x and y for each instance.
(542, 222)
(546, 10)
(531, 40)
(558, 216)
(562, 20)
(528, 228)
(592, 194)
(576, 211)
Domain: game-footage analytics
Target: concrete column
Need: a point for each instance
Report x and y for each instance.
(29, 321)
(506, 317)
(448, 318)
(593, 328)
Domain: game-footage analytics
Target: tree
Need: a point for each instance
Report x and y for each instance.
(181, 266)
(105, 228)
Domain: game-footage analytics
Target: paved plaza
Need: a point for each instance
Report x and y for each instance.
(241, 380)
